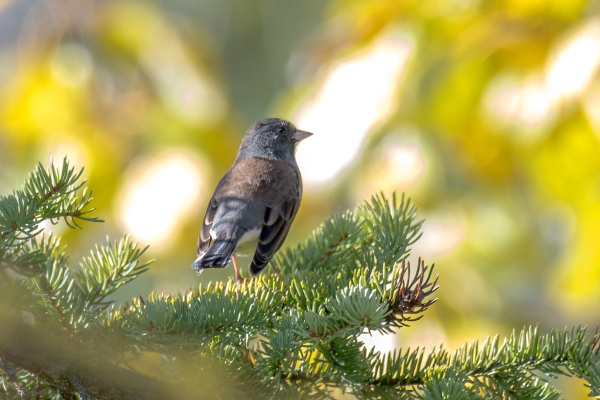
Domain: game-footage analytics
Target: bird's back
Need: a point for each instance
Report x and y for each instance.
(239, 207)
(258, 198)
(244, 198)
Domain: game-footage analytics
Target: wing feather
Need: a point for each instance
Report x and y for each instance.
(273, 235)
(204, 237)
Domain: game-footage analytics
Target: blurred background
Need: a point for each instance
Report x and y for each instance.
(487, 114)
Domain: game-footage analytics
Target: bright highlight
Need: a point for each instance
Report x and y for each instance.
(573, 67)
(568, 73)
(356, 94)
(159, 194)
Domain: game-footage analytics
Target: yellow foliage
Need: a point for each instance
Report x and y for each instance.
(486, 139)
(37, 104)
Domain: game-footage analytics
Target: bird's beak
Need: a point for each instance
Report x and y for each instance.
(301, 135)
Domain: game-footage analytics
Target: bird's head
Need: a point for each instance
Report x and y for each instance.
(272, 138)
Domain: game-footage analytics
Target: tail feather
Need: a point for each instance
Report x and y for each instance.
(256, 268)
(218, 255)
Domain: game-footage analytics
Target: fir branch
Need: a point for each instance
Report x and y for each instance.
(511, 386)
(54, 286)
(48, 194)
(447, 384)
(519, 356)
(14, 381)
(222, 314)
(57, 358)
(392, 226)
(54, 193)
(17, 217)
(49, 292)
(298, 338)
(75, 298)
(107, 269)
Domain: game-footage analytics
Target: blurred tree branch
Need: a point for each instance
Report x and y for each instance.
(69, 365)
(350, 277)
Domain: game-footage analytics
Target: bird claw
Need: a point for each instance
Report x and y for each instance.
(239, 280)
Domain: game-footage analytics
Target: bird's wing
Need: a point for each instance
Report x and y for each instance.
(204, 237)
(276, 225)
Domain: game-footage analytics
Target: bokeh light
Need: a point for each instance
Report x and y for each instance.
(398, 166)
(356, 94)
(525, 102)
(487, 114)
(576, 61)
(72, 64)
(158, 194)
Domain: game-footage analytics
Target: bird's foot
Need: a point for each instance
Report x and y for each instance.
(239, 280)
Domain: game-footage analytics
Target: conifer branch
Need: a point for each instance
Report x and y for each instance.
(262, 339)
(14, 381)
(48, 194)
(57, 358)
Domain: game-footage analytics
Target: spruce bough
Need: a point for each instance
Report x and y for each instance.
(299, 337)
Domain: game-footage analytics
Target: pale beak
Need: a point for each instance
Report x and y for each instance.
(301, 135)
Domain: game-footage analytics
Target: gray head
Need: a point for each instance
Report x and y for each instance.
(272, 138)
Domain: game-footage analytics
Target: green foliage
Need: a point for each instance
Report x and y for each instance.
(48, 195)
(70, 298)
(296, 336)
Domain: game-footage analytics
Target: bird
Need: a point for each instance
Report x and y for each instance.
(256, 201)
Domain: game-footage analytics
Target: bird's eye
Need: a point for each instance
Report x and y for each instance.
(281, 130)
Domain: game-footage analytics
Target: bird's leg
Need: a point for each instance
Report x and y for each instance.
(238, 277)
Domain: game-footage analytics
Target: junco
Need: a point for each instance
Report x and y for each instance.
(256, 201)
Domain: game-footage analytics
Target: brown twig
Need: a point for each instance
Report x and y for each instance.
(55, 306)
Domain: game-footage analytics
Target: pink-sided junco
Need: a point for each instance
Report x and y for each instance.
(256, 201)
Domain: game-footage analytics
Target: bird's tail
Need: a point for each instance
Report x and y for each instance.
(218, 255)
